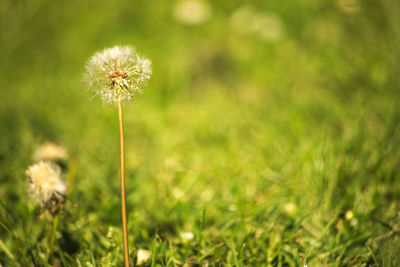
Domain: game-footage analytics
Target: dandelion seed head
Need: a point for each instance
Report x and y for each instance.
(50, 151)
(117, 72)
(192, 12)
(187, 236)
(44, 183)
(143, 256)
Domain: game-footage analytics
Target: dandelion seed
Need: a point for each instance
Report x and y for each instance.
(45, 184)
(143, 256)
(50, 151)
(117, 73)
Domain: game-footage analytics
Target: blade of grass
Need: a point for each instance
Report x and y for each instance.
(6, 250)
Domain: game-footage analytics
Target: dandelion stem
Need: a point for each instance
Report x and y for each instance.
(53, 235)
(123, 194)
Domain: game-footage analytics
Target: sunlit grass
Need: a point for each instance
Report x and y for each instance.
(242, 151)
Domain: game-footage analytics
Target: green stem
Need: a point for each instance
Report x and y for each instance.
(53, 236)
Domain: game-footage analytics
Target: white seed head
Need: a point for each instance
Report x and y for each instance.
(117, 73)
(143, 256)
(50, 151)
(44, 183)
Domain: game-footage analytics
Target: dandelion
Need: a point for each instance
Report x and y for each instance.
(116, 74)
(47, 189)
(50, 151)
(45, 184)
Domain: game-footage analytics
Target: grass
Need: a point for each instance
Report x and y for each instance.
(281, 153)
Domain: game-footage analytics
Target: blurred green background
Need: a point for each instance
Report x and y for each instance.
(269, 130)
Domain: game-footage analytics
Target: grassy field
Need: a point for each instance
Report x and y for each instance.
(268, 135)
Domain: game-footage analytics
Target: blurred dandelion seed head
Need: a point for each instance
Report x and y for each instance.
(117, 72)
(192, 11)
(50, 151)
(187, 236)
(242, 19)
(267, 26)
(44, 183)
(143, 256)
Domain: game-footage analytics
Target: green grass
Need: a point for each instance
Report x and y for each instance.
(282, 153)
